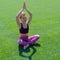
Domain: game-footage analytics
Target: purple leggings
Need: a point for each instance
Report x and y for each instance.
(28, 40)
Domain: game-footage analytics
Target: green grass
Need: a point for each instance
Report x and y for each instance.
(45, 22)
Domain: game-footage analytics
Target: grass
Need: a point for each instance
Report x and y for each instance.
(45, 22)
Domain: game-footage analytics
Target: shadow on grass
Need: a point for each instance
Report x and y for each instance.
(21, 51)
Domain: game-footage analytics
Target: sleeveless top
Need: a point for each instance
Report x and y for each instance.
(24, 30)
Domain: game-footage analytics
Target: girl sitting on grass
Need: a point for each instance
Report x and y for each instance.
(25, 40)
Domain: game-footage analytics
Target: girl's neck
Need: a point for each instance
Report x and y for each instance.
(24, 25)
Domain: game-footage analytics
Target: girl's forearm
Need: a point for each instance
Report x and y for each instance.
(19, 13)
(28, 12)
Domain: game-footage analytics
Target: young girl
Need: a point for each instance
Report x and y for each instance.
(23, 26)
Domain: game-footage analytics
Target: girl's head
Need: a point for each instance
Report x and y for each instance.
(23, 17)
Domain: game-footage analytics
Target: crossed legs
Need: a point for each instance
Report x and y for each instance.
(31, 40)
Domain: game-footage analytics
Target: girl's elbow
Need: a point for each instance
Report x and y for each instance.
(16, 16)
(31, 15)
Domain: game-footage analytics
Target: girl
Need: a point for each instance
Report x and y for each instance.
(23, 26)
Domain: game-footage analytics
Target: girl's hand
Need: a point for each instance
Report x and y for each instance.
(24, 5)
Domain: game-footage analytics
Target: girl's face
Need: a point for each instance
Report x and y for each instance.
(23, 17)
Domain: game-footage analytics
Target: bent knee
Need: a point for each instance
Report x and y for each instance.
(20, 41)
(37, 36)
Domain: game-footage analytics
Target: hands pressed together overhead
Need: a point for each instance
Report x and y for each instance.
(24, 5)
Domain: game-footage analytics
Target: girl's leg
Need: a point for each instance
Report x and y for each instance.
(33, 39)
(21, 42)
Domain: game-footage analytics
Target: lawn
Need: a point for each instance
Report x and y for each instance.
(45, 22)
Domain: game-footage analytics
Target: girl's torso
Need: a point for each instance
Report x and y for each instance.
(23, 35)
(24, 29)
